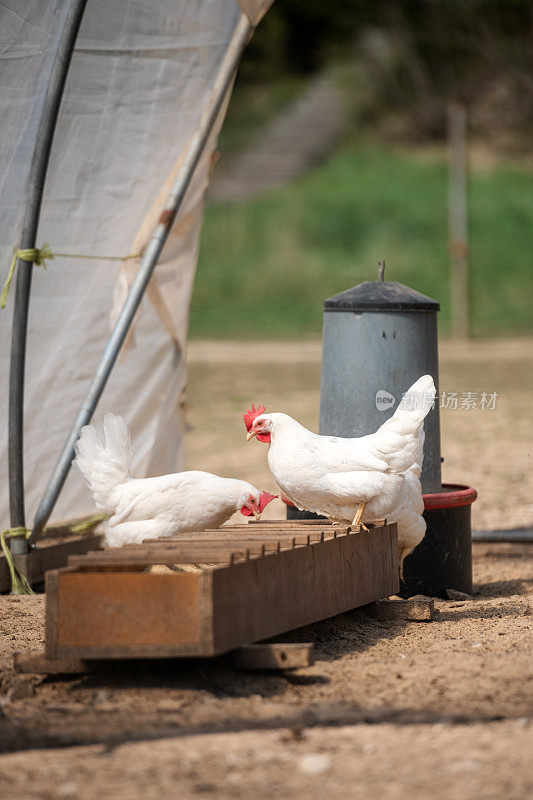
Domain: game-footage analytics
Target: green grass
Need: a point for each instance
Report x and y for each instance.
(267, 264)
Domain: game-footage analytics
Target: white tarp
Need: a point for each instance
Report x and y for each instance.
(138, 83)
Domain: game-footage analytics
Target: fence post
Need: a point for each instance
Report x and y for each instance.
(458, 220)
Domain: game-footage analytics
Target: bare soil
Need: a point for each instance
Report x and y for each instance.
(390, 710)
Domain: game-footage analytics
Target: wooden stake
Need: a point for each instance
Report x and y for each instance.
(272, 656)
(413, 610)
(458, 219)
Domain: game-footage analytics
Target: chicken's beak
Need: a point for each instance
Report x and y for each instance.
(256, 513)
(251, 435)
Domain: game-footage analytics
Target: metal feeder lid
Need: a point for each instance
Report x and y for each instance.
(380, 295)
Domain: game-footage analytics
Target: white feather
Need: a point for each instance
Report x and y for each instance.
(332, 475)
(151, 507)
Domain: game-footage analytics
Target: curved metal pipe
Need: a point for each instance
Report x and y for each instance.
(37, 177)
(228, 67)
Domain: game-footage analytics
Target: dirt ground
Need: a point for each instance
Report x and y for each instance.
(390, 710)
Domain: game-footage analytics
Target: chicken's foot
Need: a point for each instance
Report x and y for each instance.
(358, 516)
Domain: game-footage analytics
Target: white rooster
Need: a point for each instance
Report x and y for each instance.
(353, 481)
(155, 507)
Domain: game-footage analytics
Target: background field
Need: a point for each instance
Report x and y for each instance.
(380, 189)
(266, 264)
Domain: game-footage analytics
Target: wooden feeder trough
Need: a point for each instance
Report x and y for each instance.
(209, 593)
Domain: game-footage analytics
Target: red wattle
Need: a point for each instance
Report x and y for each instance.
(263, 437)
(246, 511)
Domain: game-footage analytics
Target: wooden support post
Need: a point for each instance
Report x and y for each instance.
(276, 656)
(39, 664)
(413, 610)
(272, 656)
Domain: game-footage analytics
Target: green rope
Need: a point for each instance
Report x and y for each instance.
(19, 582)
(33, 255)
(87, 524)
(38, 256)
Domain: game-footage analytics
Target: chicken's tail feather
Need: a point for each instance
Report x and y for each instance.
(416, 469)
(416, 402)
(398, 437)
(104, 464)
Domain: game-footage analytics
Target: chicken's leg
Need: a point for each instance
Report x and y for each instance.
(358, 516)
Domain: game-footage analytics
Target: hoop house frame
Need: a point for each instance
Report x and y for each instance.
(241, 36)
(158, 232)
(37, 177)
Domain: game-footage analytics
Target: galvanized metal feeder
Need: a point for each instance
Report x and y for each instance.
(378, 338)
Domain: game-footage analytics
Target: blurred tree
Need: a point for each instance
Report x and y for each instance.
(300, 36)
(409, 58)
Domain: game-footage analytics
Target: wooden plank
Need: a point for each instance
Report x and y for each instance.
(276, 656)
(39, 664)
(223, 536)
(272, 656)
(49, 555)
(275, 529)
(111, 652)
(284, 523)
(188, 552)
(414, 610)
(265, 597)
(51, 622)
(301, 523)
(266, 526)
(205, 607)
(126, 610)
(214, 543)
(253, 545)
(97, 560)
(237, 536)
(215, 546)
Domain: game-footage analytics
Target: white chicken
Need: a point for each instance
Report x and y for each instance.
(353, 481)
(155, 507)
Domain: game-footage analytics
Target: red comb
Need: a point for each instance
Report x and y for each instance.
(252, 414)
(265, 499)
